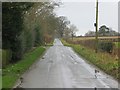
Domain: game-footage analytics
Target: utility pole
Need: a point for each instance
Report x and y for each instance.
(96, 37)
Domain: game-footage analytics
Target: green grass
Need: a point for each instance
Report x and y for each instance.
(12, 72)
(102, 60)
(0, 80)
(117, 44)
(50, 43)
(6, 55)
(0, 68)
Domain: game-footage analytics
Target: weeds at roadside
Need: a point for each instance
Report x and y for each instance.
(103, 60)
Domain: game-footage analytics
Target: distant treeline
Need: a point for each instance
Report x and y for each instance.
(103, 31)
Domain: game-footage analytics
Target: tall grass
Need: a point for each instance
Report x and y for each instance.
(103, 60)
(117, 44)
(6, 56)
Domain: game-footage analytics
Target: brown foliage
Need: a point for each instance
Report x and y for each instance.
(90, 43)
(47, 38)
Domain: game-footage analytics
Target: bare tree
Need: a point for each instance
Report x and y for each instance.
(67, 33)
(73, 30)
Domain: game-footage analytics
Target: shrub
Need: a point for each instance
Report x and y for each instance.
(12, 27)
(17, 49)
(38, 36)
(106, 46)
(29, 40)
(6, 57)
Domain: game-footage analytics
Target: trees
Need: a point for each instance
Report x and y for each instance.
(42, 16)
(67, 33)
(103, 30)
(90, 33)
(61, 23)
(25, 25)
(73, 30)
(12, 26)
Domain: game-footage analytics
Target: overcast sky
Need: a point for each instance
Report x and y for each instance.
(82, 14)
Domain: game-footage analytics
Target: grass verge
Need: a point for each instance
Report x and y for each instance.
(117, 44)
(12, 72)
(50, 43)
(102, 60)
(0, 80)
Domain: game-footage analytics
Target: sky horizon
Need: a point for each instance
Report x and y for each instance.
(82, 14)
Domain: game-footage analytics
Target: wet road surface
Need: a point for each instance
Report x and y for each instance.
(61, 67)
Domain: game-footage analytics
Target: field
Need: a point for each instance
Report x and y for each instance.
(90, 42)
(100, 38)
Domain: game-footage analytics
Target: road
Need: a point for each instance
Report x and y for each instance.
(61, 67)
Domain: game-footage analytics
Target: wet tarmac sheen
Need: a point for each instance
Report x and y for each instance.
(61, 67)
